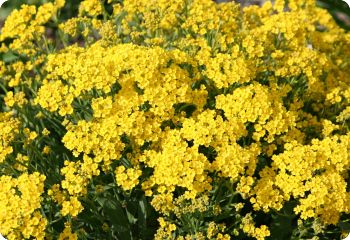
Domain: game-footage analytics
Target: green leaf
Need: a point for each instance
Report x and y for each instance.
(282, 223)
(345, 226)
(9, 57)
(131, 218)
(118, 219)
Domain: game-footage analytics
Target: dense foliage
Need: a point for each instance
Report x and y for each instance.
(181, 119)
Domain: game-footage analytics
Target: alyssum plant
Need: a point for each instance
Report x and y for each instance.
(181, 119)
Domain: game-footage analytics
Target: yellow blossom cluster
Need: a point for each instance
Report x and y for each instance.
(26, 24)
(92, 7)
(185, 167)
(258, 232)
(9, 128)
(76, 177)
(183, 206)
(17, 98)
(67, 234)
(20, 200)
(156, 14)
(165, 229)
(127, 178)
(318, 169)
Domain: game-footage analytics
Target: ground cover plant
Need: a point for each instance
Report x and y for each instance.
(182, 119)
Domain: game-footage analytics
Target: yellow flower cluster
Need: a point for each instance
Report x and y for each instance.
(76, 177)
(156, 14)
(20, 200)
(67, 234)
(185, 167)
(260, 233)
(316, 169)
(8, 129)
(54, 96)
(127, 178)
(92, 7)
(26, 24)
(15, 99)
(257, 104)
(165, 229)
(184, 206)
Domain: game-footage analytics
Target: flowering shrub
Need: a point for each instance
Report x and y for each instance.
(181, 119)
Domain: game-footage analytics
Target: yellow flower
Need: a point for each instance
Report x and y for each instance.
(46, 150)
(91, 7)
(67, 233)
(72, 207)
(127, 178)
(45, 132)
(8, 129)
(20, 199)
(249, 228)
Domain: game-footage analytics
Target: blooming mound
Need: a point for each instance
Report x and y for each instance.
(182, 119)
